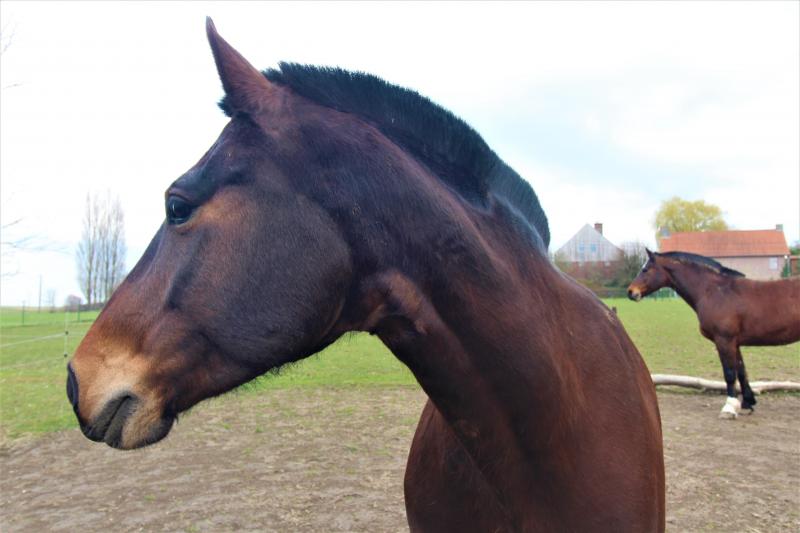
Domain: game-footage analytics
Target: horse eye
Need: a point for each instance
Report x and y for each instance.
(178, 210)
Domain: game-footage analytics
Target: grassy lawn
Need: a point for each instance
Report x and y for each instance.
(32, 375)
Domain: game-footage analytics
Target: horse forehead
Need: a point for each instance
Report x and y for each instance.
(648, 262)
(223, 159)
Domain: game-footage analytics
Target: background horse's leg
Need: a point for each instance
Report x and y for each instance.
(748, 398)
(727, 350)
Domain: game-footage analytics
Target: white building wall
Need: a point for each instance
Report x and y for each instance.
(759, 268)
(588, 246)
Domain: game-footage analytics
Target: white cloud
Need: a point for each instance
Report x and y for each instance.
(569, 204)
(122, 96)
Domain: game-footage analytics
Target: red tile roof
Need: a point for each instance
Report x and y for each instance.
(727, 243)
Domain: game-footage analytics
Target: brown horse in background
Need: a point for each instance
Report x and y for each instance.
(733, 311)
(334, 202)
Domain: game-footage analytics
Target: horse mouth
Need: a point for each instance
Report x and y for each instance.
(636, 296)
(110, 424)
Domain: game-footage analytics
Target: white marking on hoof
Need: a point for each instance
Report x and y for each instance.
(731, 408)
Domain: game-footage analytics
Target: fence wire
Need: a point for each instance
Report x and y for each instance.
(35, 339)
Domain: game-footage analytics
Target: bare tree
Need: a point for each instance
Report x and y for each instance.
(16, 239)
(50, 299)
(101, 251)
(113, 249)
(561, 261)
(6, 38)
(87, 255)
(632, 260)
(9, 242)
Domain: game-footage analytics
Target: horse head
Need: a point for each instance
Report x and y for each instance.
(651, 277)
(246, 273)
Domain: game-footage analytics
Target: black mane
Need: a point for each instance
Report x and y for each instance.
(703, 261)
(444, 142)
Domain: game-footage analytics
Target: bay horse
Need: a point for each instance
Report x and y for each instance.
(733, 311)
(332, 202)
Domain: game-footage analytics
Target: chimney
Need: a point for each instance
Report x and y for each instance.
(598, 227)
(779, 227)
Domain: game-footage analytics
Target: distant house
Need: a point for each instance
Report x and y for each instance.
(588, 254)
(589, 246)
(758, 254)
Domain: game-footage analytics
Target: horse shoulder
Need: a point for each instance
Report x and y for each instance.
(718, 314)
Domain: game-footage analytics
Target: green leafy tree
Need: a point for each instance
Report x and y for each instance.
(677, 215)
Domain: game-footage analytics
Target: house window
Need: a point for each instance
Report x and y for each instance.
(773, 263)
(593, 248)
(581, 248)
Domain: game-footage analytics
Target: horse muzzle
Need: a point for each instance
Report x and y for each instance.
(118, 422)
(634, 294)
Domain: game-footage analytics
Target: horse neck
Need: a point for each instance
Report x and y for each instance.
(460, 294)
(690, 283)
(485, 351)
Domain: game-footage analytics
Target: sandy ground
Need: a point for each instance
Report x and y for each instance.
(333, 460)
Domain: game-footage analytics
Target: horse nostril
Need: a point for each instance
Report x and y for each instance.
(72, 387)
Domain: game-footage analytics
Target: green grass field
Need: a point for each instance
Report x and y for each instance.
(32, 372)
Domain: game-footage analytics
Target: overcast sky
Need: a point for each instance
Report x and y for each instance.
(606, 108)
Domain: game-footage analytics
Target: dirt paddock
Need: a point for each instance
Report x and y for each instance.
(332, 460)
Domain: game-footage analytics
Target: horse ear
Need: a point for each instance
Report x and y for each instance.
(650, 254)
(246, 89)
